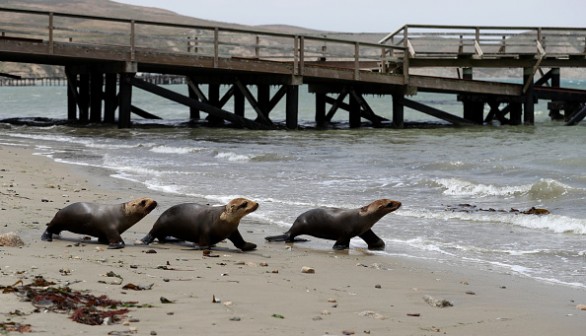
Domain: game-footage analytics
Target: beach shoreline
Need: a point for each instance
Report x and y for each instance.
(259, 292)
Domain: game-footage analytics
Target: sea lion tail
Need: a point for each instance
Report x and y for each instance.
(285, 237)
(279, 238)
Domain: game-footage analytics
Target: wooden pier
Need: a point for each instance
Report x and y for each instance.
(105, 58)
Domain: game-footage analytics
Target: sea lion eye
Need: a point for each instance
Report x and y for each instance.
(243, 205)
(143, 203)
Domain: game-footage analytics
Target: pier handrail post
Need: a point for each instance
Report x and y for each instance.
(301, 55)
(356, 60)
(296, 55)
(406, 55)
(383, 63)
(132, 40)
(51, 33)
(216, 46)
(257, 47)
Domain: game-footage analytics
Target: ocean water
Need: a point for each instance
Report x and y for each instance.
(459, 187)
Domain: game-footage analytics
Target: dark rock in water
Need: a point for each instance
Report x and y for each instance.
(473, 208)
(34, 121)
(536, 211)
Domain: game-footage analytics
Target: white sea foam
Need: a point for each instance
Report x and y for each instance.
(176, 150)
(551, 222)
(542, 189)
(233, 157)
(458, 187)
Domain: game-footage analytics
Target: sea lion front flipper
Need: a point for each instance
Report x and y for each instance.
(116, 245)
(374, 242)
(342, 244)
(113, 239)
(47, 236)
(239, 242)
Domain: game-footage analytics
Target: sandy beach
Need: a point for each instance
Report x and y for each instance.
(261, 292)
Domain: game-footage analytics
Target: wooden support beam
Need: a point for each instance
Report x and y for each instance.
(355, 115)
(398, 109)
(516, 113)
(239, 103)
(336, 104)
(226, 97)
(457, 121)
(193, 112)
(96, 96)
(84, 97)
(72, 94)
(529, 104)
(142, 113)
(214, 100)
(320, 109)
(248, 95)
(125, 100)
(367, 112)
(292, 107)
(110, 98)
(277, 97)
(577, 117)
(210, 109)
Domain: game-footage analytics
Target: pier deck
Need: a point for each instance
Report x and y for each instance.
(102, 57)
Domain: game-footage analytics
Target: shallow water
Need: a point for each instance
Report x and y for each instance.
(439, 174)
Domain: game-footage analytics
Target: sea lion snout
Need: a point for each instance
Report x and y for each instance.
(151, 206)
(147, 204)
(393, 205)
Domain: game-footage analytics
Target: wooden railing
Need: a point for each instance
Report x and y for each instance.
(217, 42)
(486, 42)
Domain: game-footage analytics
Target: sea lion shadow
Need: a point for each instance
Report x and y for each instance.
(86, 240)
(190, 246)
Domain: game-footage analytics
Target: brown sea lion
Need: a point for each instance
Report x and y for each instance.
(341, 225)
(104, 221)
(203, 225)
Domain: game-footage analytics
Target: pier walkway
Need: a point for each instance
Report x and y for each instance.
(104, 58)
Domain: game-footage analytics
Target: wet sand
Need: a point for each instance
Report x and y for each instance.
(260, 292)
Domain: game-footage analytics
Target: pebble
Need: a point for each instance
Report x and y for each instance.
(439, 303)
(378, 286)
(308, 270)
(10, 239)
(235, 318)
(153, 333)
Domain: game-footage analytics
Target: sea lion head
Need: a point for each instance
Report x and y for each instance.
(381, 206)
(238, 208)
(140, 206)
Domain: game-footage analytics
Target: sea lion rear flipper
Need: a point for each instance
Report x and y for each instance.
(374, 242)
(239, 242)
(279, 238)
(147, 239)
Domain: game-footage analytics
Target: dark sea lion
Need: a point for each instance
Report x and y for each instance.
(104, 221)
(203, 225)
(341, 225)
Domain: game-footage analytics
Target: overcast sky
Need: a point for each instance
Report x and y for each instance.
(380, 15)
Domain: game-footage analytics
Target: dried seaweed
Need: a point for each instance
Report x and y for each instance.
(84, 307)
(6, 327)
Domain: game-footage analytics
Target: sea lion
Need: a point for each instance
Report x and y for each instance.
(106, 222)
(203, 225)
(341, 225)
